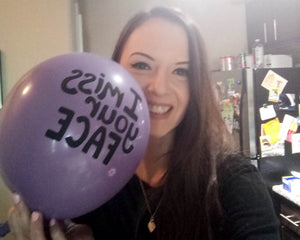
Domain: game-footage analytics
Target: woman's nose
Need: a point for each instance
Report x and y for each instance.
(158, 84)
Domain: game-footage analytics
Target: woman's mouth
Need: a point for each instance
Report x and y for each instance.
(157, 109)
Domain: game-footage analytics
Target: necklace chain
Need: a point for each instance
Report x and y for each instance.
(151, 223)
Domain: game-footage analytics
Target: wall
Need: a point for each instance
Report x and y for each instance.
(222, 23)
(30, 32)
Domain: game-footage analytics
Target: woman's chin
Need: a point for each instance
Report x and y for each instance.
(160, 135)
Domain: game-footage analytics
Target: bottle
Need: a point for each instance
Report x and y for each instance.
(258, 54)
(242, 60)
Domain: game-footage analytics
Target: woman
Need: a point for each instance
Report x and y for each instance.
(189, 185)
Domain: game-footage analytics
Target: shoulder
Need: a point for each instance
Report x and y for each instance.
(247, 206)
(239, 180)
(235, 166)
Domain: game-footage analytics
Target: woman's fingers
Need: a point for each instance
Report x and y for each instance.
(16, 228)
(79, 232)
(24, 225)
(37, 231)
(19, 218)
(37, 227)
(56, 231)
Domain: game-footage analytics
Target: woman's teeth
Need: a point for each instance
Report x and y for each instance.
(158, 109)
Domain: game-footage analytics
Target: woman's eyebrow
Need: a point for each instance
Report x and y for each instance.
(142, 54)
(183, 62)
(151, 58)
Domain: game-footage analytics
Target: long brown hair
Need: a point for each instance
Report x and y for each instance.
(190, 204)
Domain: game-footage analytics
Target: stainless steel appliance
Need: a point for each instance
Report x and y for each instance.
(253, 98)
(247, 84)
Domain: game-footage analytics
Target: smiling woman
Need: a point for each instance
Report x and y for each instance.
(190, 184)
(190, 179)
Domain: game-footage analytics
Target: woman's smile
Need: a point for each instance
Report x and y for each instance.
(158, 109)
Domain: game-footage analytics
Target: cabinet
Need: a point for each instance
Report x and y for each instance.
(289, 215)
(290, 222)
(277, 24)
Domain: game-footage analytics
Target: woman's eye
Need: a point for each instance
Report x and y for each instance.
(141, 66)
(181, 72)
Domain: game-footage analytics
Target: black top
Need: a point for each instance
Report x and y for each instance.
(248, 208)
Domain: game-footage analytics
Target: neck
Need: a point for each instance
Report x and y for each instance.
(153, 166)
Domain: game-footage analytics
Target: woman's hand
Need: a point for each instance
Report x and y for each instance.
(30, 226)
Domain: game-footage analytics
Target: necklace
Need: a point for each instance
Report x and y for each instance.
(151, 224)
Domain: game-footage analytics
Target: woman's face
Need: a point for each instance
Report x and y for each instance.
(156, 54)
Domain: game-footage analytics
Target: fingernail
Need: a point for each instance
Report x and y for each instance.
(35, 216)
(16, 198)
(52, 222)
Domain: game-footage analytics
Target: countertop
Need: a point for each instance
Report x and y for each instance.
(284, 193)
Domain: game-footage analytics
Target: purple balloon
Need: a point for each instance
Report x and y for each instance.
(72, 133)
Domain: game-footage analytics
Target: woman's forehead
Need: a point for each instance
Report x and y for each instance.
(159, 35)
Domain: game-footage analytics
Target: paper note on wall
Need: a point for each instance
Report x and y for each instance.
(274, 82)
(289, 123)
(274, 95)
(292, 129)
(267, 112)
(296, 143)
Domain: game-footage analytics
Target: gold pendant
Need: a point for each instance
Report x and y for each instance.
(151, 225)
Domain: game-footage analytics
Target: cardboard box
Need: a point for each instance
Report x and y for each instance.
(291, 184)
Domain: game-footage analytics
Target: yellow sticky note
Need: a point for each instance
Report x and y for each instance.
(272, 128)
